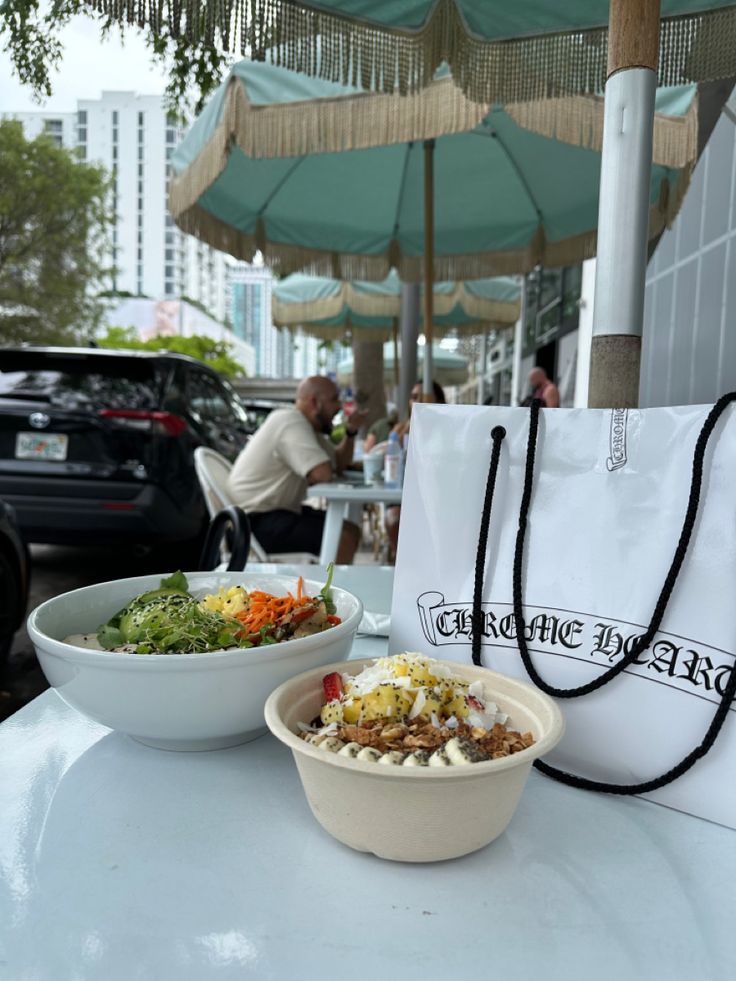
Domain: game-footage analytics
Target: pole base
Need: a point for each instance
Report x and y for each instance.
(614, 371)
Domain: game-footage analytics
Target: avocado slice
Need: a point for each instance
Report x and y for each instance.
(154, 594)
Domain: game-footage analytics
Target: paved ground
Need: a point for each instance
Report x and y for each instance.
(57, 569)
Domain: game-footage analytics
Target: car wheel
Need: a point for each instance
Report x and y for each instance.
(10, 605)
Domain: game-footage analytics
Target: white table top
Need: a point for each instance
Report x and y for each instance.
(118, 861)
(352, 492)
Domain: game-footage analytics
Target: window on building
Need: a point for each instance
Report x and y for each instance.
(114, 134)
(115, 117)
(82, 117)
(55, 129)
(140, 170)
(81, 134)
(140, 152)
(171, 135)
(168, 272)
(168, 289)
(169, 255)
(140, 119)
(114, 153)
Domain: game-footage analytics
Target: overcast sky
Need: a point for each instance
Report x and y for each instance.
(88, 67)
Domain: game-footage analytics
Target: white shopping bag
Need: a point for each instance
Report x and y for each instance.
(609, 494)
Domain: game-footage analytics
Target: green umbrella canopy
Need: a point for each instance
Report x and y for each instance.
(506, 198)
(498, 50)
(323, 307)
(448, 368)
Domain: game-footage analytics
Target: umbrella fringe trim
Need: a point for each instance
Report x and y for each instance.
(693, 47)
(287, 314)
(578, 120)
(283, 259)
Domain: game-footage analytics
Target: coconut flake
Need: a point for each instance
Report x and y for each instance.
(418, 705)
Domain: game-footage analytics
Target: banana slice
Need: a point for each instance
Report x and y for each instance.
(330, 744)
(440, 758)
(350, 749)
(419, 758)
(460, 752)
(368, 754)
(394, 758)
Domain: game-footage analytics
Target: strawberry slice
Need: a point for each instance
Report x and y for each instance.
(332, 686)
(476, 703)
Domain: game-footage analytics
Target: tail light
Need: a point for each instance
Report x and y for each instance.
(156, 423)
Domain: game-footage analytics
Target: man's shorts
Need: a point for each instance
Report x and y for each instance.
(285, 531)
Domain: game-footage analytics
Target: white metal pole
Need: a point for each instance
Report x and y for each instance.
(482, 361)
(623, 209)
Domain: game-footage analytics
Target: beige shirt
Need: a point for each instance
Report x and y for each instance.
(271, 472)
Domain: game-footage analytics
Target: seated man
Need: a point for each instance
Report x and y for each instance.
(290, 451)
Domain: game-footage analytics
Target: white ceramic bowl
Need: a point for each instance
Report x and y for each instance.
(178, 701)
(418, 814)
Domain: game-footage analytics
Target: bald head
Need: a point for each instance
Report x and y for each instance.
(318, 399)
(537, 377)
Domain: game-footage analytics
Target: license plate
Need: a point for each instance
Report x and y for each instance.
(37, 446)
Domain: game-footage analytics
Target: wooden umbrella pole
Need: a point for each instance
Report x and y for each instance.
(427, 379)
(623, 210)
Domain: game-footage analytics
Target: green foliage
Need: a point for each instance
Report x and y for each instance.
(216, 354)
(54, 221)
(30, 33)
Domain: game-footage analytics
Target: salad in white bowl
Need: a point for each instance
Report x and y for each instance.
(170, 620)
(187, 662)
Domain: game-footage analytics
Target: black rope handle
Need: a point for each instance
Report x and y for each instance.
(498, 434)
(729, 692)
(642, 642)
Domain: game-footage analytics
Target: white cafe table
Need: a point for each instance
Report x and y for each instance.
(121, 862)
(341, 496)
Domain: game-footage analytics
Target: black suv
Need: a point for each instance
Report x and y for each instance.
(97, 446)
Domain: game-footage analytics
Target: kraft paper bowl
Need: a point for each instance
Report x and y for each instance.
(422, 814)
(178, 701)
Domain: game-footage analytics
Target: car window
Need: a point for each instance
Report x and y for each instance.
(207, 399)
(81, 384)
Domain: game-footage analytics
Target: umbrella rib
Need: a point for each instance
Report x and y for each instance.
(275, 191)
(402, 185)
(517, 170)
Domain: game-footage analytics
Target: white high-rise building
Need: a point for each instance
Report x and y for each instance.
(133, 138)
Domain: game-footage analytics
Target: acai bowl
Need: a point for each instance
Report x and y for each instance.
(180, 701)
(402, 796)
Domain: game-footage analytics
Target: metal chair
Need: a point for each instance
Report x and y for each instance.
(229, 531)
(213, 470)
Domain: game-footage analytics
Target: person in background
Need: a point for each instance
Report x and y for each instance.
(542, 388)
(378, 432)
(393, 514)
(291, 451)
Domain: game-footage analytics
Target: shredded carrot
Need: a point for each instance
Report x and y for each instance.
(265, 609)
